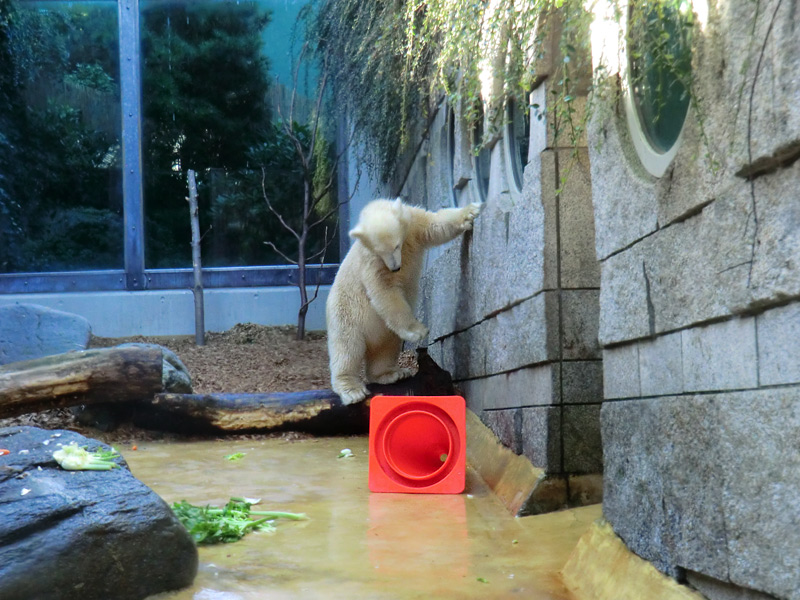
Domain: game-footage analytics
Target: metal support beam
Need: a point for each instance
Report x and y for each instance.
(130, 90)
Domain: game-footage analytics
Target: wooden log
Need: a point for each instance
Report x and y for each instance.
(118, 374)
(241, 412)
(310, 410)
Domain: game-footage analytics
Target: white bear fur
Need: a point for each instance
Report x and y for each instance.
(370, 308)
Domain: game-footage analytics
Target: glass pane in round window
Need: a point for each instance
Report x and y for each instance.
(481, 161)
(518, 134)
(660, 54)
(451, 153)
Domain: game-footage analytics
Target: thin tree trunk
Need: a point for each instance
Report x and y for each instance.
(301, 265)
(199, 309)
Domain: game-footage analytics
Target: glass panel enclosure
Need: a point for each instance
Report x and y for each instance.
(518, 135)
(60, 177)
(217, 79)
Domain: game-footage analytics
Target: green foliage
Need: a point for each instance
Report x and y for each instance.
(365, 45)
(660, 42)
(56, 165)
(91, 76)
(209, 525)
(10, 109)
(240, 212)
(393, 57)
(204, 84)
(206, 102)
(69, 236)
(55, 40)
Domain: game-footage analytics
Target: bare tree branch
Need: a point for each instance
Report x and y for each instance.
(327, 215)
(285, 225)
(317, 112)
(328, 242)
(321, 263)
(276, 249)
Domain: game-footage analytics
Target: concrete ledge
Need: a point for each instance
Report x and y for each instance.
(602, 568)
(521, 487)
(171, 312)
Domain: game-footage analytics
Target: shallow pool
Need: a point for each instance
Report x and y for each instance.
(356, 545)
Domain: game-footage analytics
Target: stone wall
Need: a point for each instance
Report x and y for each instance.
(513, 307)
(700, 314)
(661, 311)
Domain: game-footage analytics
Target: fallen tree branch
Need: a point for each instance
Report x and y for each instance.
(101, 375)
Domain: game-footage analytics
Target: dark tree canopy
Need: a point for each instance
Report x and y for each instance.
(204, 83)
(206, 99)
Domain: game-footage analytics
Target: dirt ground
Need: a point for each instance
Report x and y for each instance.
(247, 358)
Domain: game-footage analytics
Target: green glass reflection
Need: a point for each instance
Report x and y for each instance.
(217, 83)
(519, 133)
(660, 42)
(60, 157)
(482, 161)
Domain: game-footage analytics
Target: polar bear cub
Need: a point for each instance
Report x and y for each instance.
(371, 303)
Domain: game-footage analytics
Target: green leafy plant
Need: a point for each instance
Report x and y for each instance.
(212, 525)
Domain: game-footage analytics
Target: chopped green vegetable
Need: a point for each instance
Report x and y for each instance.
(75, 458)
(346, 453)
(483, 580)
(235, 456)
(211, 525)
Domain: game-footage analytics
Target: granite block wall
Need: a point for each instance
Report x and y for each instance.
(513, 307)
(700, 315)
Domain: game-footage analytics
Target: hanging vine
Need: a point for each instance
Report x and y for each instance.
(394, 57)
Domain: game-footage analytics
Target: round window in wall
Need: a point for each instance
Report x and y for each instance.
(517, 141)
(659, 75)
(451, 154)
(481, 157)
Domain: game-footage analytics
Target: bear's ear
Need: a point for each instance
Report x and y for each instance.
(357, 233)
(400, 209)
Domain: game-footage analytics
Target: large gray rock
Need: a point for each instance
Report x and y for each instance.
(29, 331)
(83, 535)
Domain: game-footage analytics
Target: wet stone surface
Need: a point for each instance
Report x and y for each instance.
(82, 535)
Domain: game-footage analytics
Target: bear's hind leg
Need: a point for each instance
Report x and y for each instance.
(346, 364)
(382, 364)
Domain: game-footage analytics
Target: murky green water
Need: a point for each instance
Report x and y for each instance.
(356, 545)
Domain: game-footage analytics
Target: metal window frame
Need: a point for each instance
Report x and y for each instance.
(135, 276)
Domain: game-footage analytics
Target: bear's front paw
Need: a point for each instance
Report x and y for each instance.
(471, 212)
(415, 333)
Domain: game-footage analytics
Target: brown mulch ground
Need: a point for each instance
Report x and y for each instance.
(247, 358)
